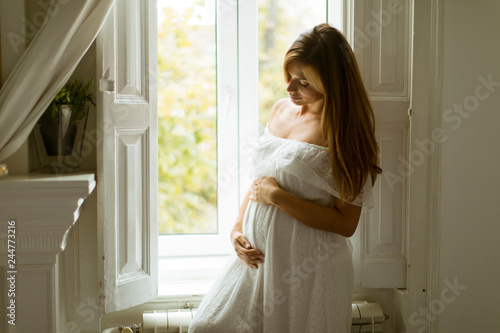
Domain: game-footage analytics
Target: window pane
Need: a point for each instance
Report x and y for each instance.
(280, 23)
(187, 117)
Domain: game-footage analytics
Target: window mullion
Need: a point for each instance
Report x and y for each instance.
(248, 86)
(227, 115)
(336, 12)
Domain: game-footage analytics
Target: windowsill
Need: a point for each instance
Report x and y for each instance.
(188, 275)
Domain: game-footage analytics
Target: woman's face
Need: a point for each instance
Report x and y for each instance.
(300, 90)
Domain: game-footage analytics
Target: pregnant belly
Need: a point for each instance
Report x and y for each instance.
(257, 222)
(266, 227)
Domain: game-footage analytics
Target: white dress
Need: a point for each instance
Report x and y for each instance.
(305, 281)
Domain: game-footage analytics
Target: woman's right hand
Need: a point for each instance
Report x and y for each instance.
(244, 249)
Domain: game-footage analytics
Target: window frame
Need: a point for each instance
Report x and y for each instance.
(232, 126)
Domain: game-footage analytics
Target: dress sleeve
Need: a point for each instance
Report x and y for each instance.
(365, 197)
(316, 171)
(309, 163)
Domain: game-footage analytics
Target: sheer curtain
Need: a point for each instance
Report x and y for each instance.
(44, 68)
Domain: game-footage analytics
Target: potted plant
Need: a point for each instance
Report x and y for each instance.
(60, 132)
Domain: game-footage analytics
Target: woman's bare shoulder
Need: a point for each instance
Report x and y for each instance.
(279, 110)
(279, 106)
(283, 122)
(282, 102)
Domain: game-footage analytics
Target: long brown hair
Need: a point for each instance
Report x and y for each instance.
(347, 120)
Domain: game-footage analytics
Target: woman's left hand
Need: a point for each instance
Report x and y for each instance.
(262, 190)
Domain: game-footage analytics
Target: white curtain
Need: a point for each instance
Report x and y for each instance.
(44, 68)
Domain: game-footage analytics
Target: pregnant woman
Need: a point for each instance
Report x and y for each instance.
(314, 168)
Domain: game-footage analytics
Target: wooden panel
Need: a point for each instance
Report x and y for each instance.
(71, 267)
(132, 202)
(379, 253)
(380, 33)
(383, 237)
(127, 159)
(382, 47)
(35, 314)
(131, 35)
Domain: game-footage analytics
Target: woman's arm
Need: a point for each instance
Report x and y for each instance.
(341, 219)
(240, 243)
(238, 226)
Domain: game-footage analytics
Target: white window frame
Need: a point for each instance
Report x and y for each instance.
(235, 112)
(237, 127)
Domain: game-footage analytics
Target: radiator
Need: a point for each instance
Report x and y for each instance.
(366, 317)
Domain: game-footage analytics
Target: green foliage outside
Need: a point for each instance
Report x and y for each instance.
(272, 48)
(186, 125)
(280, 23)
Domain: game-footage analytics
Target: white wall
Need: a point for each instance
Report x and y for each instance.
(470, 186)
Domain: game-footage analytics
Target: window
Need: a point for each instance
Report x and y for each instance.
(220, 71)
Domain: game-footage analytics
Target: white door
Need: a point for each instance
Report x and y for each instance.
(381, 34)
(127, 156)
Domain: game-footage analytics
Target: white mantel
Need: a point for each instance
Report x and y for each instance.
(44, 208)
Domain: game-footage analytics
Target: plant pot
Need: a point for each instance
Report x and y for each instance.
(59, 138)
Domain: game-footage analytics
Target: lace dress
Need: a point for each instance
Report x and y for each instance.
(305, 281)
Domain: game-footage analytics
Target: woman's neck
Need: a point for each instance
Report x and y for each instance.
(313, 109)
